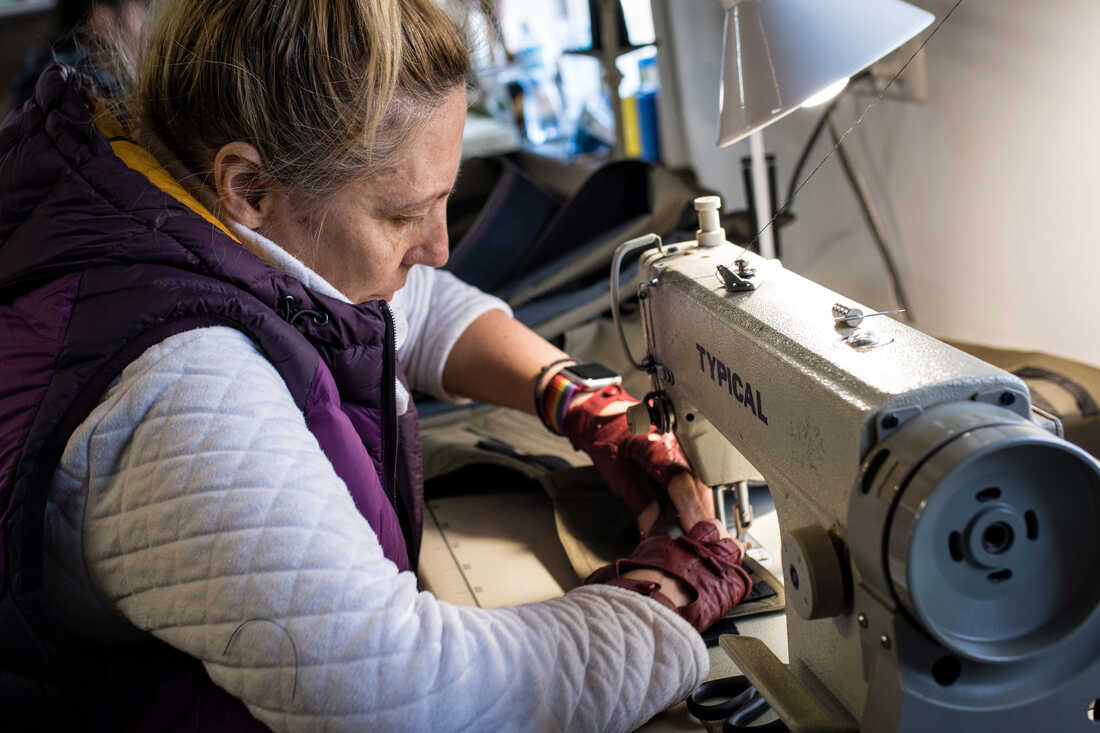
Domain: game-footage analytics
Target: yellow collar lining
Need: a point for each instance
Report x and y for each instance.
(139, 159)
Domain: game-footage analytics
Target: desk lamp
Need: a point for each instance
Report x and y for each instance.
(780, 55)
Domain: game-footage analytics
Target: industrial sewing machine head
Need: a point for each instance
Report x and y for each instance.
(940, 543)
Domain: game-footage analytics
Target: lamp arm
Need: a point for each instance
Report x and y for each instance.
(870, 215)
(792, 189)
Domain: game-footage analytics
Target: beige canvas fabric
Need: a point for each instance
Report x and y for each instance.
(1070, 389)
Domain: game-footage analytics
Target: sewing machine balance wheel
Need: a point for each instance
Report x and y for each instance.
(993, 533)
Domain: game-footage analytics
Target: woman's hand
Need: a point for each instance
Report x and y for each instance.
(636, 467)
(679, 592)
(698, 575)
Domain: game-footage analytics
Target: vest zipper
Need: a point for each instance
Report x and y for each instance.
(389, 410)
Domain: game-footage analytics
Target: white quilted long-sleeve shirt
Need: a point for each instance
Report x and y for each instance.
(194, 503)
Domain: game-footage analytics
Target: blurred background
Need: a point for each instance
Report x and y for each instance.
(981, 161)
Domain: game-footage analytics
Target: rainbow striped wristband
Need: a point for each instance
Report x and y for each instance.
(556, 398)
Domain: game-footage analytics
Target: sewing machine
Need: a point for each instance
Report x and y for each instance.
(940, 542)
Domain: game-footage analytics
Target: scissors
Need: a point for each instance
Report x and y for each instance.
(745, 705)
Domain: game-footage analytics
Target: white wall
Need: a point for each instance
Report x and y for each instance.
(991, 191)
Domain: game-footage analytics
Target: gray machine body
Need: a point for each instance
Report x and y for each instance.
(937, 532)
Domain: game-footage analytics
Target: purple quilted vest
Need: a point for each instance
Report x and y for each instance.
(96, 265)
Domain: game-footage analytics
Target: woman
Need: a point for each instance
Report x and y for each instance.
(208, 457)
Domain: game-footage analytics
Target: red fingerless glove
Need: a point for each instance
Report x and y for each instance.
(709, 565)
(630, 464)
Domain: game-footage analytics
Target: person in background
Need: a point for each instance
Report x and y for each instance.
(84, 29)
(215, 297)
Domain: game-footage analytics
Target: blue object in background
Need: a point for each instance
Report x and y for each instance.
(646, 99)
(647, 124)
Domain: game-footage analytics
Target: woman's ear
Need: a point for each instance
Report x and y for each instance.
(240, 184)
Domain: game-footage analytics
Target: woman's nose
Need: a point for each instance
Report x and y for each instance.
(433, 250)
(439, 251)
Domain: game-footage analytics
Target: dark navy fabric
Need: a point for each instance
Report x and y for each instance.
(96, 265)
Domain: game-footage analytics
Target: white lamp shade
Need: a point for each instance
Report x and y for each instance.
(779, 53)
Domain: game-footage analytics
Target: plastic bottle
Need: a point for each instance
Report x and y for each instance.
(628, 101)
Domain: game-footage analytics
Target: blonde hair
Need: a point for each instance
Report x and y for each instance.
(325, 90)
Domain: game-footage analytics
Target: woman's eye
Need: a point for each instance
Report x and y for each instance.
(406, 219)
